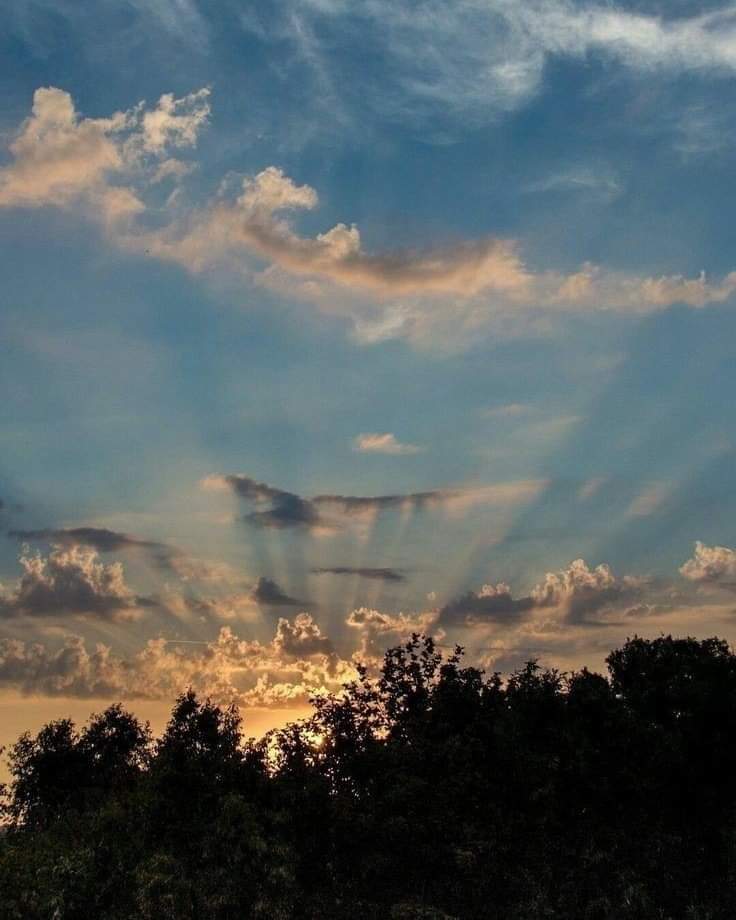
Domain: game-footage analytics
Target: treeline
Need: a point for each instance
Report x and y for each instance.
(431, 792)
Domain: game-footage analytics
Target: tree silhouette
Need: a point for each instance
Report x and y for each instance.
(429, 791)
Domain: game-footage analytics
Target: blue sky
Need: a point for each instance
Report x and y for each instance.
(469, 264)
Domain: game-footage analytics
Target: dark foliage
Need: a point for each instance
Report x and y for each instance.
(432, 792)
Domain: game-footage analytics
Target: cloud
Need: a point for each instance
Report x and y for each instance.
(380, 574)
(175, 122)
(383, 444)
(70, 580)
(287, 510)
(104, 540)
(584, 592)
(469, 62)
(711, 564)
(648, 501)
(99, 538)
(301, 638)
(579, 594)
(62, 159)
(377, 630)
(240, 607)
(441, 296)
(328, 512)
(509, 410)
(267, 593)
(59, 158)
(296, 664)
(438, 296)
(492, 604)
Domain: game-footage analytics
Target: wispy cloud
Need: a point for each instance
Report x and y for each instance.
(477, 59)
(375, 443)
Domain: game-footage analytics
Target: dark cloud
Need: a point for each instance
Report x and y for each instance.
(70, 581)
(102, 540)
(301, 638)
(287, 509)
(583, 596)
(353, 504)
(99, 538)
(268, 594)
(493, 604)
(380, 574)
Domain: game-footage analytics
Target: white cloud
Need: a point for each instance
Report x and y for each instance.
(715, 564)
(175, 122)
(385, 443)
(474, 59)
(62, 159)
(59, 158)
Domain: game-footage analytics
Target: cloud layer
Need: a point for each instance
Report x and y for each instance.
(297, 663)
(575, 611)
(106, 168)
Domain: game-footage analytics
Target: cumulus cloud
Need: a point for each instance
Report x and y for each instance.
(103, 540)
(62, 159)
(379, 574)
(492, 604)
(175, 122)
(296, 664)
(711, 564)
(584, 592)
(375, 443)
(70, 580)
(578, 593)
(301, 638)
(377, 630)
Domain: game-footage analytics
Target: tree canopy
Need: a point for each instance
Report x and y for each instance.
(430, 791)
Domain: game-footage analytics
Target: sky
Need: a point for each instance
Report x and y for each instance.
(324, 323)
